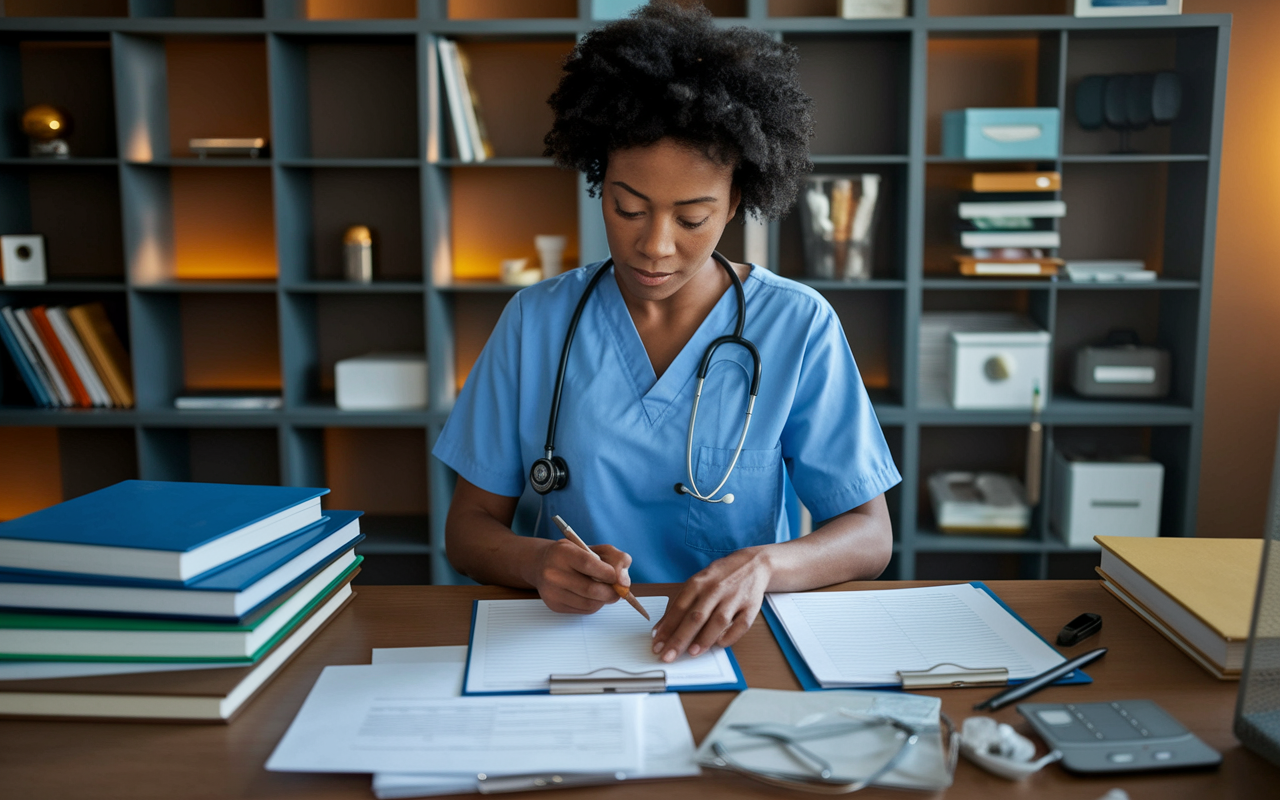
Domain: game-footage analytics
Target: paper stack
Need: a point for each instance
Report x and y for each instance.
(1008, 225)
(159, 600)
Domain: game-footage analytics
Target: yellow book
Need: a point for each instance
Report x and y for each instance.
(105, 351)
(1203, 589)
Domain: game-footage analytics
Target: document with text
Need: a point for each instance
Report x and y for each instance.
(395, 718)
(850, 639)
(517, 645)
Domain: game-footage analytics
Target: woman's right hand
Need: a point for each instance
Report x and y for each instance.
(572, 581)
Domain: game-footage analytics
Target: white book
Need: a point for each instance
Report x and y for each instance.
(59, 385)
(79, 359)
(457, 99)
(1036, 209)
(468, 103)
(28, 352)
(978, 239)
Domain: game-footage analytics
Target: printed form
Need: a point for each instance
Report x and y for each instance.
(517, 645)
(865, 638)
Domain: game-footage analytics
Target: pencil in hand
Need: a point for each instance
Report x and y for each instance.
(622, 591)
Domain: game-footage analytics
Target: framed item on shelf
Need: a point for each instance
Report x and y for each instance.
(1126, 8)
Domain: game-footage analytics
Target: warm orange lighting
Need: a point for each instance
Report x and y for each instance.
(54, 124)
(497, 212)
(223, 224)
(30, 470)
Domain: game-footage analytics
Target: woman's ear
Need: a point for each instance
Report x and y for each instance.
(735, 197)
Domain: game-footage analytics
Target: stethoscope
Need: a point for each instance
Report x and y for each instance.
(551, 472)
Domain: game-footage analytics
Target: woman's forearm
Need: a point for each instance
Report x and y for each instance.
(856, 545)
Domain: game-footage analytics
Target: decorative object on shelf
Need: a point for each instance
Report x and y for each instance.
(249, 147)
(1104, 496)
(873, 9)
(357, 254)
(1001, 133)
(381, 382)
(1126, 8)
(1127, 103)
(517, 272)
(46, 126)
(1257, 720)
(551, 253)
(229, 400)
(1121, 367)
(22, 260)
(1109, 272)
(837, 218)
(1013, 182)
(979, 502)
(1000, 367)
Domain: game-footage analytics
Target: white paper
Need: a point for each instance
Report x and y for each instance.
(399, 718)
(517, 645)
(668, 750)
(865, 638)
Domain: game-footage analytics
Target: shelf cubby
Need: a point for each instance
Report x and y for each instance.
(474, 317)
(511, 9)
(77, 210)
(859, 90)
(319, 204)
(199, 9)
(888, 254)
(360, 9)
(215, 87)
(873, 323)
(70, 74)
(65, 8)
(345, 97)
(30, 470)
(226, 454)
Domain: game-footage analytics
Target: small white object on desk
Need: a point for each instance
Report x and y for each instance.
(381, 382)
(22, 260)
(551, 254)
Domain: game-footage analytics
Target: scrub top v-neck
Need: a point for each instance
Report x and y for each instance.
(622, 430)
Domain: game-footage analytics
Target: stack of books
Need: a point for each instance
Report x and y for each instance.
(1198, 593)
(156, 600)
(68, 357)
(470, 137)
(1007, 223)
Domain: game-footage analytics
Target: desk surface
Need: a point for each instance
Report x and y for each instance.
(142, 760)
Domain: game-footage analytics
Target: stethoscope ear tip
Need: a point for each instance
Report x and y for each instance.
(727, 499)
(680, 489)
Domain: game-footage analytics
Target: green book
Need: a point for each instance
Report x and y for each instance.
(47, 637)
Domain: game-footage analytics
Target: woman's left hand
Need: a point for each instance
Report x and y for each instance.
(716, 606)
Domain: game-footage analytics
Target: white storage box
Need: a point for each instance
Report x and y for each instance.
(998, 369)
(381, 382)
(1105, 498)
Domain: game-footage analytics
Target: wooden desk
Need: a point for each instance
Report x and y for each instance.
(140, 760)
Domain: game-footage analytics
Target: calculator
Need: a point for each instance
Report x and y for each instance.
(1122, 736)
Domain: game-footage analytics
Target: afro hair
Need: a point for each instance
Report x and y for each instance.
(668, 71)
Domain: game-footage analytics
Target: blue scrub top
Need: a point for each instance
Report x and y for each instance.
(622, 430)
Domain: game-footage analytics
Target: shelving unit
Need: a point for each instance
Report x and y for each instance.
(226, 272)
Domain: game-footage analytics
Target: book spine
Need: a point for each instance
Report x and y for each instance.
(1015, 182)
(65, 399)
(25, 368)
(479, 133)
(94, 352)
(980, 239)
(71, 343)
(96, 331)
(78, 393)
(457, 117)
(1035, 210)
(37, 366)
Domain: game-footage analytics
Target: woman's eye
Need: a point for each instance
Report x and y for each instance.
(692, 225)
(627, 214)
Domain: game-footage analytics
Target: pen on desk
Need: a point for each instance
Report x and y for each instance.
(1016, 693)
(622, 591)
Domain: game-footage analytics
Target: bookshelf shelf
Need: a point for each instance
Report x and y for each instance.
(227, 273)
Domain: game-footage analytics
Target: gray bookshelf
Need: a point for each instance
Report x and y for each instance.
(358, 129)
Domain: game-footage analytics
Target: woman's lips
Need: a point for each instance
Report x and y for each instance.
(651, 278)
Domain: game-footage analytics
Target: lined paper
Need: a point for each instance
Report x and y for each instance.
(517, 645)
(865, 638)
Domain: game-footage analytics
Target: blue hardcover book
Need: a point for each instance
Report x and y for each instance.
(236, 592)
(156, 529)
(25, 368)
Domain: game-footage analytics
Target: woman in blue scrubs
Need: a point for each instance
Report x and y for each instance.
(679, 127)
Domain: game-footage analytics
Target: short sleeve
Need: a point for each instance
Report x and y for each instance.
(481, 438)
(832, 443)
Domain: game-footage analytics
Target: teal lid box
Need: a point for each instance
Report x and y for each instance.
(1001, 133)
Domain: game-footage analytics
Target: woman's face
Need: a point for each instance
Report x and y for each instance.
(665, 206)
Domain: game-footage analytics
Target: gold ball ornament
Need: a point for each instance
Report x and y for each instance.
(44, 122)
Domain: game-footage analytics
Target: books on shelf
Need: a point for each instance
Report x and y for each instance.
(471, 137)
(1008, 268)
(1007, 224)
(236, 592)
(156, 530)
(974, 240)
(1014, 182)
(1197, 592)
(68, 358)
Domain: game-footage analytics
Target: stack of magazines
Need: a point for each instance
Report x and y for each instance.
(172, 601)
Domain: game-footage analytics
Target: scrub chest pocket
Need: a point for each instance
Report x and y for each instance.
(752, 518)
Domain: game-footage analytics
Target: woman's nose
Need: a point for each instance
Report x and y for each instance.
(658, 241)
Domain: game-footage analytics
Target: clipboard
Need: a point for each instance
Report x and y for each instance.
(810, 684)
(606, 679)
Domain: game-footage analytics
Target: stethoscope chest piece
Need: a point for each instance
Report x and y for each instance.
(549, 474)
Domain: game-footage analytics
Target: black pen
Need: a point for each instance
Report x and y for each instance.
(1015, 693)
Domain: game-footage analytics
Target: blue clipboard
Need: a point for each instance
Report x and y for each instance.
(810, 684)
(738, 685)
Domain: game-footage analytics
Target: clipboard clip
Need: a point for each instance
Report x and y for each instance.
(608, 680)
(947, 675)
(497, 784)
